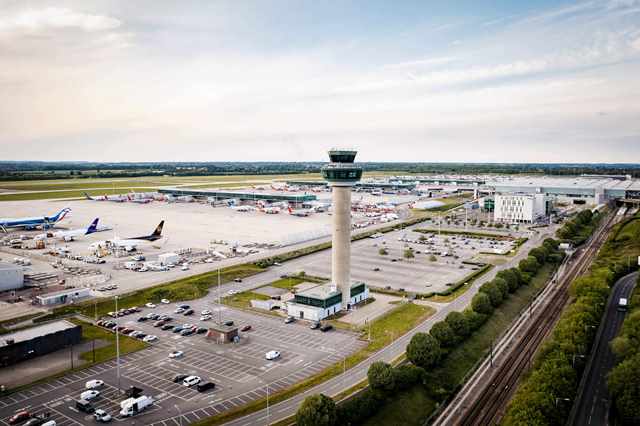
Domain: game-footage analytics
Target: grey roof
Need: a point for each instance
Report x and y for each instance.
(63, 292)
(9, 266)
(37, 331)
(323, 291)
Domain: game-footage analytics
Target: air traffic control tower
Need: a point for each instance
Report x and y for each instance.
(342, 174)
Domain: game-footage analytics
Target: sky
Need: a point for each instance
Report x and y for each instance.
(463, 81)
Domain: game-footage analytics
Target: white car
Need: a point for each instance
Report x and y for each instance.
(205, 317)
(89, 395)
(150, 305)
(271, 355)
(165, 301)
(191, 381)
(149, 339)
(187, 325)
(231, 292)
(184, 268)
(179, 310)
(94, 384)
(101, 416)
(176, 354)
(135, 333)
(206, 312)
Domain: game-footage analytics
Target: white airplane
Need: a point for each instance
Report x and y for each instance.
(300, 213)
(133, 199)
(33, 222)
(243, 209)
(129, 244)
(181, 199)
(71, 234)
(116, 198)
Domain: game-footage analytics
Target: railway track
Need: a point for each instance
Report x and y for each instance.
(488, 408)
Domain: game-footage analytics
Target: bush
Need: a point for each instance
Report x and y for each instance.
(444, 334)
(529, 265)
(459, 324)
(502, 286)
(383, 252)
(481, 303)
(475, 319)
(424, 350)
(317, 410)
(511, 278)
(381, 377)
(407, 375)
(359, 408)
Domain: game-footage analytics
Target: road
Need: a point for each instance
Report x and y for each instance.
(334, 386)
(592, 404)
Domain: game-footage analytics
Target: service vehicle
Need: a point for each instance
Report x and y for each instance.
(133, 406)
(101, 416)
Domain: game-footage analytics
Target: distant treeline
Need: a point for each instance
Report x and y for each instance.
(27, 170)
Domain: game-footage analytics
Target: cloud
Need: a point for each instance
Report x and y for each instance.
(40, 21)
(429, 62)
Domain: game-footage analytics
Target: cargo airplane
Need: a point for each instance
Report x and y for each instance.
(71, 234)
(129, 244)
(114, 198)
(45, 222)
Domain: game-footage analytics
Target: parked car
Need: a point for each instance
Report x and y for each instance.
(188, 312)
(238, 280)
(159, 323)
(19, 417)
(141, 336)
(271, 355)
(84, 406)
(186, 332)
(165, 301)
(166, 327)
(150, 305)
(178, 329)
(176, 354)
(179, 310)
(94, 384)
(203, 387)
(191, 380)
(143, 319)
(228, 323)
(150, 338)
(184, 306)
(89, 395)
(102, 416)
(205, 317)
(246, 328)
(315, 325)
(326, 327)
(289, 320)
(179, 378)
(201, 330)
(206, 312)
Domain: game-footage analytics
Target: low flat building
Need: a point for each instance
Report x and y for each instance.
(11, 276)
(521, 208)
(319, 302)
(64, 296)
(35, 341)
(222, 333)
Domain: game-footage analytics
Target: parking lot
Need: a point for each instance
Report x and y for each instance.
(240, 371)
(438, 260)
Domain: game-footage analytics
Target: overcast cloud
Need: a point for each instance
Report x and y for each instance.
(284, 80)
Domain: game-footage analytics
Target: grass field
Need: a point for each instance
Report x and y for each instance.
(105, 353)
(414, 405)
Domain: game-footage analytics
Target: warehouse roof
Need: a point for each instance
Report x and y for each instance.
(37, 331)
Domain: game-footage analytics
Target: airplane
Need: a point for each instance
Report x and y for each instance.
(116, 198)
(139, 200)
(269, 210)
(129, 244)
(180, 199)
(71, 234)
(33, 222)
(300, 213)
(243, 209)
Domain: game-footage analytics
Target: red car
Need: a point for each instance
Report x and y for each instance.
(246, 328)
(19, 417)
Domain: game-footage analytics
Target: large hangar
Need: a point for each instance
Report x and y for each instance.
(11, 277)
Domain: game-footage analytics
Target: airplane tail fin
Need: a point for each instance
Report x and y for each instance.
(61, 214)
(289, 209)
(88, 196)
(93, 227)
(158, 230)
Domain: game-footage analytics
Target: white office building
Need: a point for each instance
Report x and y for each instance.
(319, 302)
(521, 208)
(11, 277)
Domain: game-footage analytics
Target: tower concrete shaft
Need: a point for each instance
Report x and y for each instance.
(341, 241)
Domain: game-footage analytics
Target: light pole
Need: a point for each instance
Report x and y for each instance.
(117, 344)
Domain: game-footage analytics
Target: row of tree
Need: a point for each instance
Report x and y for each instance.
(544, 397)
(579, 228)
(427, 350)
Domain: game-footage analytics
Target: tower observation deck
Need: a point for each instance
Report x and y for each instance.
(341, 174)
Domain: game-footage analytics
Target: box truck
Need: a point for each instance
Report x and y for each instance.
(133, 406)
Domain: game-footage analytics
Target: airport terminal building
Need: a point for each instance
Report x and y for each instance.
(318, 303)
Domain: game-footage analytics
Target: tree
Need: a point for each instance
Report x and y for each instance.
(458, 324)
(474, 319)
(502, 286)
(529, 265)
(381, 377)
(491, 290)
(624, 387)
(444, 334)
(383, 251)
(408, 254)
(317, 410)
(510, 277)
(481, 303)
(540, 253)
(423, 350)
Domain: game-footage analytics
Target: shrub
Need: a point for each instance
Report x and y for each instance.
(475, 319)
(444, 334)
(407, 375)
(502, 286)
(381, 377)
(459, 324)
(495, 295)
(529, 265)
